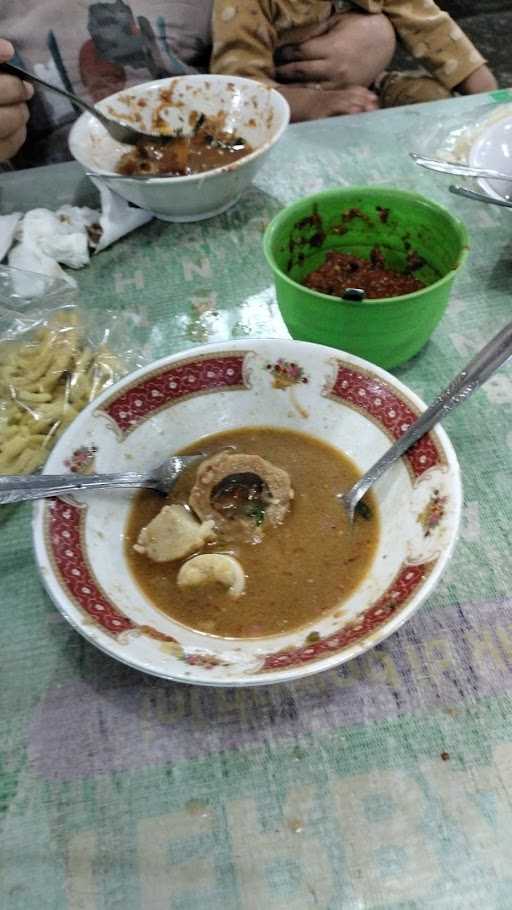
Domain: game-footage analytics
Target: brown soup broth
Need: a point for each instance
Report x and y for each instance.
(299, 573)
(183, 156)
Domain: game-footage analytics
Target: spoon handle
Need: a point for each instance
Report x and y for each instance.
(458, 168)
(40, 486)
(479, 197)
(495, 353)
(13, 70)
(140, 178)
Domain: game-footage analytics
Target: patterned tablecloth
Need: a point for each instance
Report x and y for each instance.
(386, 784)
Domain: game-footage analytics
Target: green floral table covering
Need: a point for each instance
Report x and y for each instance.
(386, 784)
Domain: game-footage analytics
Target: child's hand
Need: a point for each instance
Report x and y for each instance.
(312, 104)
(482, 80)
(352, 50)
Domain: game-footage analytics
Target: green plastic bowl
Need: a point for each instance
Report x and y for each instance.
(387, 331)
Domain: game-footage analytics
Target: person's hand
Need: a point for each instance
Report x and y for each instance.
(482, 80)
(351, 49)
(310, 104)
(13, 109)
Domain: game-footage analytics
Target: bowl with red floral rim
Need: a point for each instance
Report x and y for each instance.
(355, 406)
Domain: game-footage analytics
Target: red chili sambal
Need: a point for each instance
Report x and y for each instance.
(340, 271)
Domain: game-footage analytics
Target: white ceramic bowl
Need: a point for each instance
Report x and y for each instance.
(257, 113)
(492, 149)
(174, 402)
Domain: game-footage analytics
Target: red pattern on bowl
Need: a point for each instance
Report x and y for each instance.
(381, 403)
(143, 399)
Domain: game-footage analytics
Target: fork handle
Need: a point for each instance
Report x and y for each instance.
(24, 487)
(479, 197)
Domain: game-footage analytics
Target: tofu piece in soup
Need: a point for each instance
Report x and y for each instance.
(173, 534)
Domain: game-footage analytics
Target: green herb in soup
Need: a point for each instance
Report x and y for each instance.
(260, 543)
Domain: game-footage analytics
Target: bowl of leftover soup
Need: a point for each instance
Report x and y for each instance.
(365, 269)
(248, 572)
(214, 134)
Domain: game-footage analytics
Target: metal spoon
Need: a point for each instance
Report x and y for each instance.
(458, 168)
(141, 178)
(118, 129)
(22, 487)
(479, 197)
(478, 370)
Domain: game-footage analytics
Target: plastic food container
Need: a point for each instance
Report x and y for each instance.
(387, 331)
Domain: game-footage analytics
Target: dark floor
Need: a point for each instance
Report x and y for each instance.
(489, 25)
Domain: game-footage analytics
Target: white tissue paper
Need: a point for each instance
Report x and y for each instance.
(8, 225)
(42, 241)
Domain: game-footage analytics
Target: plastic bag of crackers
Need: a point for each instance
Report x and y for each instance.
(54, 359)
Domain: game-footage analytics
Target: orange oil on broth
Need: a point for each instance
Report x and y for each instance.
(299, 573)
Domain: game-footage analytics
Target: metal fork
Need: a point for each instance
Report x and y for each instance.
(23, 487)
(458, 168)
(479, 197)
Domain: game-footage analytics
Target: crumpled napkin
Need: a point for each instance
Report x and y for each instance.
(41, 241)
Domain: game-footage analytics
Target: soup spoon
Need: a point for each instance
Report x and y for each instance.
(495, 353)
(119, 130)
(23, 487)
